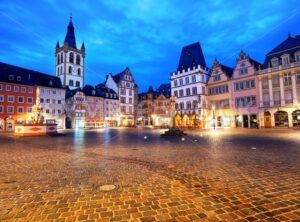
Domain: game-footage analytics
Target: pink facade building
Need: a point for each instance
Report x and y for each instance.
(245, 92)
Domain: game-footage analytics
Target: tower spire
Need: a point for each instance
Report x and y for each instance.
(70, 36)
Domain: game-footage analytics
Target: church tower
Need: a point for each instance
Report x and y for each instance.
(70, 60)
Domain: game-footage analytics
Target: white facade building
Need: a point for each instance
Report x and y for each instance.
(70, 60)
(123, 84)
(188, 85)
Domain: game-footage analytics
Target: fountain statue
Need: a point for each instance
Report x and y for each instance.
(173, 130)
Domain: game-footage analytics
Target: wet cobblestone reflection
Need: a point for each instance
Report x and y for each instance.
(205, 177)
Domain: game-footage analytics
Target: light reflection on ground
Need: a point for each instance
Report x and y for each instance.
(211, 175)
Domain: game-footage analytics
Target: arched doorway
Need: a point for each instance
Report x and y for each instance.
(185, 120)
(9, 124)
(68, 123)
(267, 119)
(178, 120)
(281, 119)
(1, 125)
(296, 118)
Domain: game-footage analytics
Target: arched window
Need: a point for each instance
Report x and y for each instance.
(58, 59)
(78, 72)
(62, 58)
(78, 59)
(71, 58)
(70, 69)
(58, 71)
(61, 70)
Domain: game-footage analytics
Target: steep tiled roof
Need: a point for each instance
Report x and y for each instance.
(28, 77)
(227, 70)
(191, 55)
(256, 64)
(70, 36)
(288, 46)
(118, 76)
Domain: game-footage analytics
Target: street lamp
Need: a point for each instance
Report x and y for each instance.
(213, 108)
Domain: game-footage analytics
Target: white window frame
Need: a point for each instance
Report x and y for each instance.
(6, 88)
(10, 107)
(22, 98)
(22, 107)
(10, 96)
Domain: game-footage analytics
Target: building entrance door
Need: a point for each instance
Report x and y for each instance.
(267, 120)
(245, 121)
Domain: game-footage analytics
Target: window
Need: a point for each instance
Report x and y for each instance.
(78, 59)
(194, 90)
(175, 83)
(11, 77)
(16, 88)
(297, 57)
(29, 109)
(180, 82)
(19, 78)
(130, 101)
(275, 62)
(1, 98)
(11, 99)
(23, 89)
(188, 91)
(181, 93)
(47, 100)
(285, 60)
(123, 99)
(123, 92)
(1, 86)
(59, 101)
(187, 80)
(181, 105)
(71, 82)
(1, 109)
(58, 59)
(78, 72)
(20, 99)
(193, 79)
(176, 93)
(71, 57)
(287, 79)
(47, 111)
(53, 101)
(8, 87)
(77, 84)
(62, 58)
(30, 90)
(217, 78)
(41, 100)
(20, 109)
(29, 100)
(10, 109)
(130, 92)
(70, 69)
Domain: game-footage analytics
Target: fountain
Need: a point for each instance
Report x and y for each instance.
(173, 130)
(35, 126)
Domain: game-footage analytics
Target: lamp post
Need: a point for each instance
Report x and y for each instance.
(213, 108)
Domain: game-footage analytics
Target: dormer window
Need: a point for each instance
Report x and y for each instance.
(19, 78)
(274, 62)
(285, 59)
(94, 92)
(243, 69)
(217, 78)
(11, 77)
(50, 82)
(297, 56)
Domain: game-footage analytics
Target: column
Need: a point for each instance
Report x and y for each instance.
(270, 91)
(282, 97)
(260, 92)
(294, 88)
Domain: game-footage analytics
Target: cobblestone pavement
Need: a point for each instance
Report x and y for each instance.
(248, 175)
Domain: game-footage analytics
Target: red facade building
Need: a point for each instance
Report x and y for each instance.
(17, 97)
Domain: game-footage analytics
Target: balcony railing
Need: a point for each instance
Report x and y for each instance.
(277, 68)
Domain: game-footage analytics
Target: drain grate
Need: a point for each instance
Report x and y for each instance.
(107, 188)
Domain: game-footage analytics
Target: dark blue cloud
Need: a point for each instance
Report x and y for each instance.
(145, 35)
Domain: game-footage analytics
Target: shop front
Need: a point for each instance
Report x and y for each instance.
(296, 118)
(281, 119)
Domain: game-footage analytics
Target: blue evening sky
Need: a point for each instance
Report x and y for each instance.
(144, 35)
